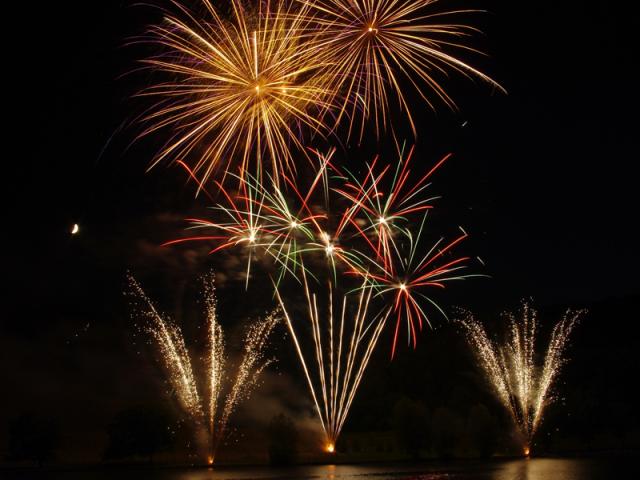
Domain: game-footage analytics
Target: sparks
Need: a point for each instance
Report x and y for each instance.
(212, 411)
(380, 234)
(523, 388)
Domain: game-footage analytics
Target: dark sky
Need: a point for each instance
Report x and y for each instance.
(546, 169)
(543, 178)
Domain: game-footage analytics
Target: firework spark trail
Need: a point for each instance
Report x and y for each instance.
(249, 370)
(387, 204)
(216, 358)
(175, 357)
(371, 44)
(241, 224)
(554, 360)
(243, 89)
(410, 276)
(333, 387)
(173, 352)
(522, 387)
(248, 90)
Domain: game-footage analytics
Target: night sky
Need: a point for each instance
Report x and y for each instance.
(542, 178)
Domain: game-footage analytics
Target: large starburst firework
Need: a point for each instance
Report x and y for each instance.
(375, 48)
(243, 89)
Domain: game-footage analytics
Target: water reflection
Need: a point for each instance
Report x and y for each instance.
(525, 469)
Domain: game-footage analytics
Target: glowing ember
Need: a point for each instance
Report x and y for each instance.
(330, 448)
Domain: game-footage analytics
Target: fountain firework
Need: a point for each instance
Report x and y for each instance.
(224, 391)
(522, 387)
(342, 348)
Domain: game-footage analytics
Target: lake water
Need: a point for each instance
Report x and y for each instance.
(531, 469)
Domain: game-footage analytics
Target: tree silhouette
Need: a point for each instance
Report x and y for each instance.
(410, 422)
(282, 437)
(483, 430)
(33, 438)
(446, 431)
(139, 432)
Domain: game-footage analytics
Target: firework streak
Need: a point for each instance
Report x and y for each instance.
(343, 345)
(522, 387)
(224, 392)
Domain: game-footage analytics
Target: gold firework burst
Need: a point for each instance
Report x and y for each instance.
(240, 90)
(371, 44)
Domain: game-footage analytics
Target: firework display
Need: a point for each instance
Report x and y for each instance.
(523, 387)
(249, 87)
(245, 96)
(224, 390)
